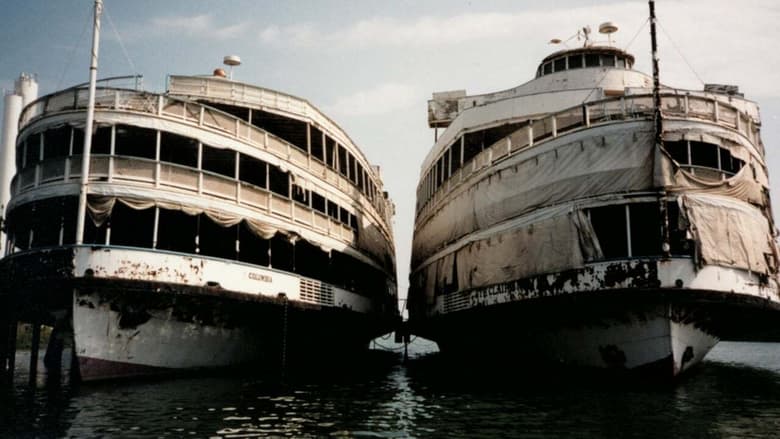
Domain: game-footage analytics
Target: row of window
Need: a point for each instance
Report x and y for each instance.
(134, 141)
(623, 231)
(463, 149)
(460, 152)
(707, 155)
(310, 140)
(581, 60)
(52, 222)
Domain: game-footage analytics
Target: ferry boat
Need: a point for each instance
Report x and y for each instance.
(593, 218)
(223, 224)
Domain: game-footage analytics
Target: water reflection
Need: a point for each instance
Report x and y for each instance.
(735, 393)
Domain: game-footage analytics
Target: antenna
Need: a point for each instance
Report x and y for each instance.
(608, 28)
(231, 61)
(586, 34)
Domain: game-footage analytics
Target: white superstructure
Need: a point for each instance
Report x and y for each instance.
(550, 221)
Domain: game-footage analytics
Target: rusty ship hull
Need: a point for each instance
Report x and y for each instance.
(630, 317)
(562, 196)
(152, 325)
(217, 224)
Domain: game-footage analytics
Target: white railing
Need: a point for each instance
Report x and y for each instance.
(205, 117)
(143, 172)
(635, 107)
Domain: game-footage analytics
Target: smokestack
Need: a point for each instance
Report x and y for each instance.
(25, 91)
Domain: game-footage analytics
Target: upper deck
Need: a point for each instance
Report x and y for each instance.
(563, 80)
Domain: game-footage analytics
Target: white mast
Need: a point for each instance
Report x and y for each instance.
(85, 157)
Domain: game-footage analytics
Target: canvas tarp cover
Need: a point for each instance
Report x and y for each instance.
(749, 184)
(555, 240)
(100, 207)
(729, 232)
(616, 160)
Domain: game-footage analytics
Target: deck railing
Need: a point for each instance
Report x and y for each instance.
(203, 117)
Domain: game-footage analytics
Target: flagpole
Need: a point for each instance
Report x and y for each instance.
(85, 156)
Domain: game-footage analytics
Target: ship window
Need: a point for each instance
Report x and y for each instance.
(20, 149)
(136, 142)
(317, 151)
(575, 61)
(559, 64)
(253, 249)
(32, 152)
(678, 150)
(19, 225)
(608, 60)
(219, 161)
(333, 210)
(352, 170)
(729, 163)
(300, 194)
(704, 154)
(252, 170)
(131, 227)
(472, 146)
(362, 178)
(318, 202)
(215, 240)
(621, 62)
(440, 170)
(178, 149)
(279, 181)
(609, 223)
(591, 60)
(56, 142)
(645, 229)
(547, 68)
(342, 160)
(101, 141)
(94, 234)
(176, 231)
(69, 209)
(679, 244)
(456, 147)
(239, 112)
(343, 269)
(330, 151)
(78, 141)
(447, 164)
(310, 260)
(45, 222)
(282, 253)
(290, 130)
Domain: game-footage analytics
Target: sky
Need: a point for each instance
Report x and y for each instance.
(372, 65)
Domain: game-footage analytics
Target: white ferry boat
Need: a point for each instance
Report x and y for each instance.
(225, 224)
(557, 223)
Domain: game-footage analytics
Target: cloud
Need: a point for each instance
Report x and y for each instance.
(383, 98)
(434, 31)
(385, 31)
(192, 26)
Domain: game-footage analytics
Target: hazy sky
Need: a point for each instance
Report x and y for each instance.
(372, 65)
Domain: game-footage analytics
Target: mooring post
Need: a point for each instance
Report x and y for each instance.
(34, 347)
(4, 342)
(285, 302)
(12, 324)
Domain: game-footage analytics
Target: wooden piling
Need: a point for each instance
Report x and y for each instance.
(34, 347)
(12, 326)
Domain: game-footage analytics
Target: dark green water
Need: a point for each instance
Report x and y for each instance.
(735, 393)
